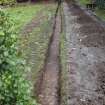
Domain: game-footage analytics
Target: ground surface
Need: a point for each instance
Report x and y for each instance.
(80, 48)
(86, 57)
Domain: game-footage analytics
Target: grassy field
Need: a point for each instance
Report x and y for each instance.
(100, 13)
(38, 40)
(63, 56)
(23, 14)
(35, 44)
(84, 2)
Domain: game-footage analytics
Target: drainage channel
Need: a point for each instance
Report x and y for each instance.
(49, 90)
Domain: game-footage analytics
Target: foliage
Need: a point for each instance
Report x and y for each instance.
(18, 14)
(84, 2)
(100, 4)
(7, 2)
(35, 45)
(14, 88)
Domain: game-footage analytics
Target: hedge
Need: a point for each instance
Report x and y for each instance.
(14, 88)
(7, 2)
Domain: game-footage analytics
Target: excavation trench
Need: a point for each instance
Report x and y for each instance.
(49, 87)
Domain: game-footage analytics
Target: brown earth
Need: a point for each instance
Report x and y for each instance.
(49, 91)
(86, 79)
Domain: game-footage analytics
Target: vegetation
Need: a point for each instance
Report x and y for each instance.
(64, 72)
(35, 45)
(84, 2)
(99, 11)
(14, 88)
(7, 2)
(18, 14)
(63, 61)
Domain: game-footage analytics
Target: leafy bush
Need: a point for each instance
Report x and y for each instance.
(7, 2)
(14, 88)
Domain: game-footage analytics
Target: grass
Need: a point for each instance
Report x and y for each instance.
(63, 61)
(23, 14)
(64, 72)
(84, 2)
(100, 13)
(36, 43)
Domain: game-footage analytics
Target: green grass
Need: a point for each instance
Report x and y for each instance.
(64, 72)
(34, 50)
(36, 43)
(63, 61)
(84, 2)
(23, 14)
(100, 13)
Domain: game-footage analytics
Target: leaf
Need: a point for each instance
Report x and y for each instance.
(2, 33)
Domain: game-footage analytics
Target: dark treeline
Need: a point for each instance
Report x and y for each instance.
(25, 0)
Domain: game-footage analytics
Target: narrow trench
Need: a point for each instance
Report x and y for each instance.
(49, 88)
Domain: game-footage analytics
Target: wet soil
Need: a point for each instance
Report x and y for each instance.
(86, 57)
(49, 88)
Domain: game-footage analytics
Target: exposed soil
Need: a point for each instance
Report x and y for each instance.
(49, 90)
(86, 57)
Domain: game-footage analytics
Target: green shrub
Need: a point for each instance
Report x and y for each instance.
(14, 88)
(7, 2)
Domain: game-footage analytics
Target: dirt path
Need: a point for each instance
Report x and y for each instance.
(50, 82)
(86, 57)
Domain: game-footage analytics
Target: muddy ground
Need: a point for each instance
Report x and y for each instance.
(86, 57)
(49, 91)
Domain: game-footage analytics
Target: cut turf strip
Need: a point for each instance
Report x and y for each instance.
(50, 82)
